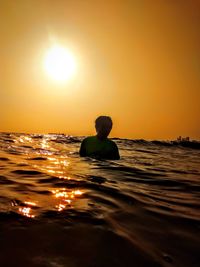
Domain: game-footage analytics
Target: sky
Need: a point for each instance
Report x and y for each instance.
(137, 61)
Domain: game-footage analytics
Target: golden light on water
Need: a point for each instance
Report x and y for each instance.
(25, 208)
(77, 192)
(64, 177)
(30, 203)
(26, 211)
(59, 63)
(44, 144)
(23, 139)
(65, 197)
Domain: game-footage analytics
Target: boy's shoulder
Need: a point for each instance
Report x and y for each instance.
(112, 142)
(89, 138)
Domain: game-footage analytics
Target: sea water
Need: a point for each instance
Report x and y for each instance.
(57, 209)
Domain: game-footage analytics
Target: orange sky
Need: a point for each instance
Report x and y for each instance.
(138, 61)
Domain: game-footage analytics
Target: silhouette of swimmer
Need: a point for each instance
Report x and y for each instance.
(100, 146)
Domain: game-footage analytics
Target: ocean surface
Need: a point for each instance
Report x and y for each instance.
(57, 209)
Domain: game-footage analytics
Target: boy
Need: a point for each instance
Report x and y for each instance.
(100, 146)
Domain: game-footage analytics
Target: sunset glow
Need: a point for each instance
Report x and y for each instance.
(63, 65)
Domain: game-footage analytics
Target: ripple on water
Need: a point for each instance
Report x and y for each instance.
(27, 172)
(4, 159)
(6, 181)
(37, 158)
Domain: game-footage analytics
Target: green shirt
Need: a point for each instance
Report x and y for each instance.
(94, 147)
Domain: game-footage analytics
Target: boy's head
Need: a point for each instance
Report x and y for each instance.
(103, 125)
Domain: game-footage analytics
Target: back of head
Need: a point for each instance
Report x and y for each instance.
(103, 125)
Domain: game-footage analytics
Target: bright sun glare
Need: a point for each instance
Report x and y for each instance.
(60, 63)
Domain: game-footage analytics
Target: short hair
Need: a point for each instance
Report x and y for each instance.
(104, 120)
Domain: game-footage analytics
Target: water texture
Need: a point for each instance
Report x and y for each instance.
(57, 209)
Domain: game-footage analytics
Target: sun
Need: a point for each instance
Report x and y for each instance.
(59, 63)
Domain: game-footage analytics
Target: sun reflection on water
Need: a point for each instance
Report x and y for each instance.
(44, 143)
(57, 166)
(30, 203)
(65, 197)
(26, 211)
(25, 208)
(46, 159)
(64, 177)
(23, 139)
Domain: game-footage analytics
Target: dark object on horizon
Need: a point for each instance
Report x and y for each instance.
(185, 142)
(180, 139)
(100, 146)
